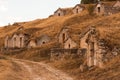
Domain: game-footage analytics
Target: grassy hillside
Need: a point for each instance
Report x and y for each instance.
(111, 71)
(108, 27)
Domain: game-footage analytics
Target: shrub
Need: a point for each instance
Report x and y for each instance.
(90, 9)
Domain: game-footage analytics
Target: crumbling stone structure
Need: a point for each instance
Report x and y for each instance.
(17, 40)
(60, 54)
(62, 11)
(107, 9)
(39, 41)
(78, 9)
(95, 48)
(70, 44)
(43, 40)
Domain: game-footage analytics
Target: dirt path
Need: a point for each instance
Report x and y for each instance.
(41, 71)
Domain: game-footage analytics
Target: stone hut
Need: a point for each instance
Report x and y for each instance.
(117, 4)
(32, 43)
(43, 40)
(100, 9)
(17, 40)
(62, 11)
(70, 44)
(84, 38)
(106, 9)
(63, 35)
(67, 39)
(78, 8)
(85, 44)
(94, 48)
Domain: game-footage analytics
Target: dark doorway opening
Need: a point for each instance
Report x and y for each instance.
(77, 10)
(21, 42)
(63, 36)
(58, 14)
(43, 42)
(15, 42)
(99, 9)
(69, 46)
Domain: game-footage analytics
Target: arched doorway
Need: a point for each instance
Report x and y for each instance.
(59, 14)
(15, 44)
(63, 37)
(43, 42)
(21, 42)
(69, 46)
(98, 9)
(77, 10)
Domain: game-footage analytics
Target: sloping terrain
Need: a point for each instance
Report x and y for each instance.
(108, 27)
(15, 69)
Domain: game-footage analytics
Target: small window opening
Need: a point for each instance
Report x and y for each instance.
(43, 42)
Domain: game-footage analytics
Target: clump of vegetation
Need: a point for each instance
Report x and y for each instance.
(88, 1)
(108, 0)
(93, 1)
(90, 9)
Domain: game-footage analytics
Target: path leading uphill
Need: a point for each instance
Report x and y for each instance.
(40, 71)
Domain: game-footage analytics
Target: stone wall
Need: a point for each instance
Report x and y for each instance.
(59, 54)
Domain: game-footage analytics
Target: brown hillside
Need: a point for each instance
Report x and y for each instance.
(108, 26)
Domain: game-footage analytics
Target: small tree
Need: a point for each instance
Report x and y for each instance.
(90, 9)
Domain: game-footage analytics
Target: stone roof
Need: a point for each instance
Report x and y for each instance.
(80, 5)
(84, 32)
(109, 7)
(20, 31)
(65, 10)
(31, 40)
(61, 31)
(118, 1)
(43, 36)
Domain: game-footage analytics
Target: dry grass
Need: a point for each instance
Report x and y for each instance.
(108, 26)
(9, 70)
